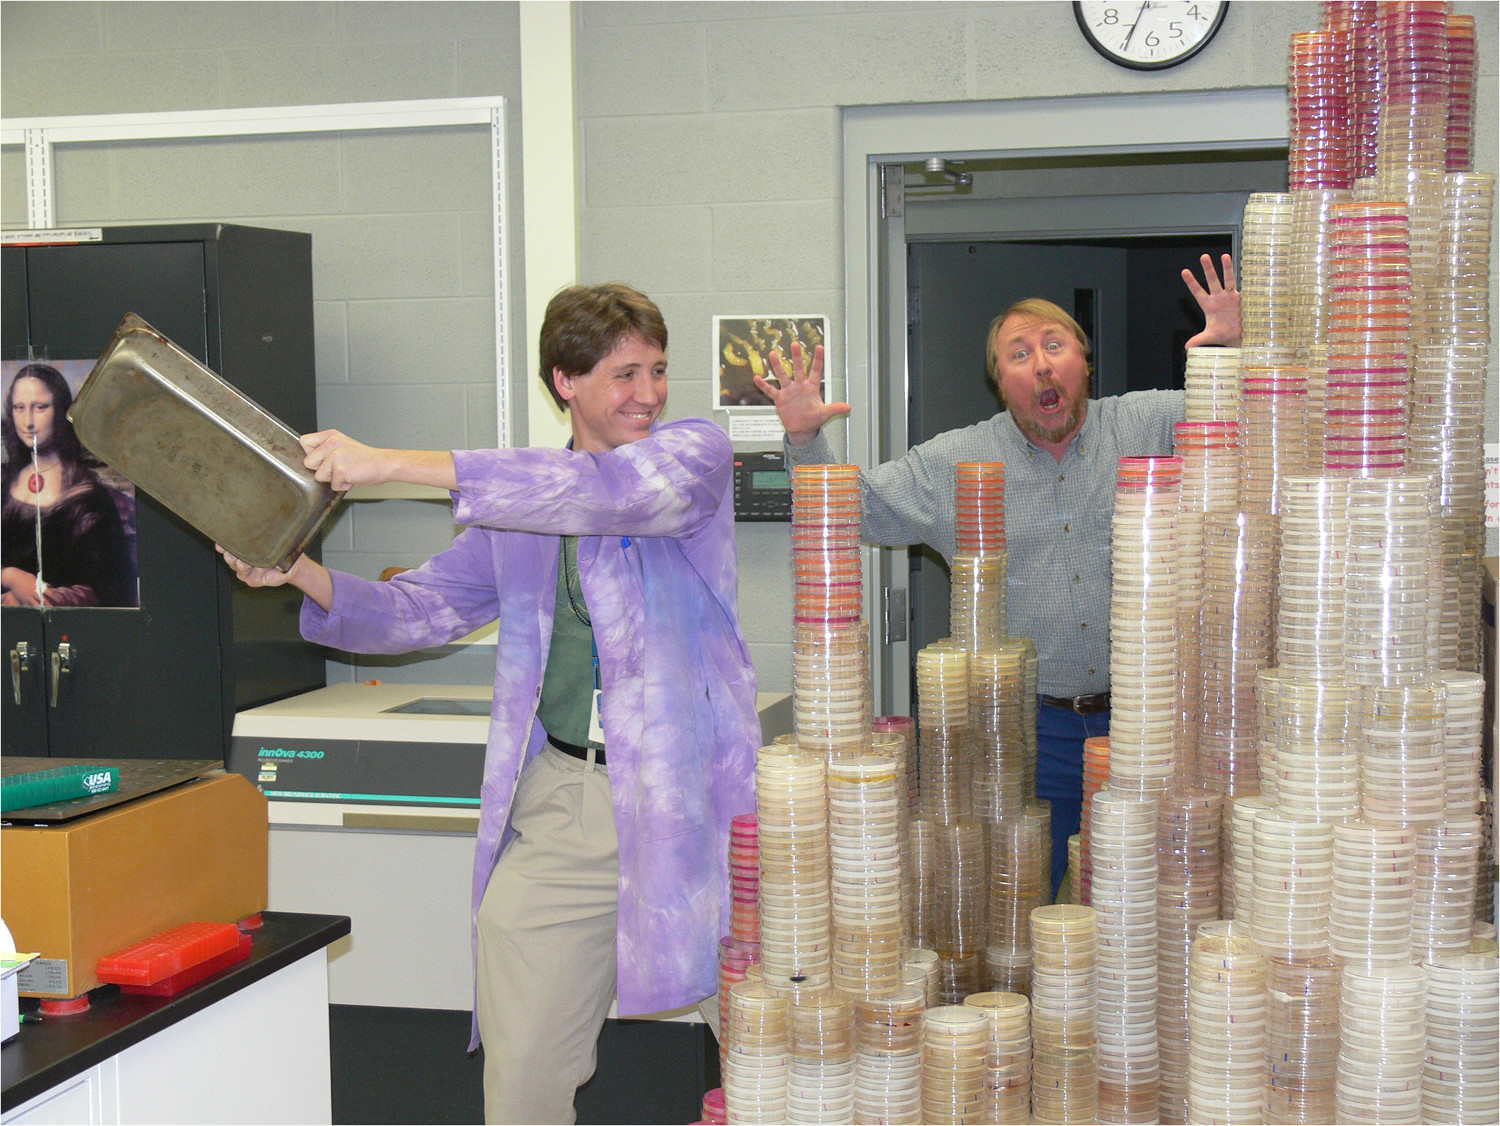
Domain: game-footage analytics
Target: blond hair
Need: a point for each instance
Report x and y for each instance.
(1033, 309)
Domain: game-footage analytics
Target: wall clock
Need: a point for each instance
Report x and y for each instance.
(1149, 34)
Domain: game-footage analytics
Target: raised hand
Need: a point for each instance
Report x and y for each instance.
(798, 393)
(1220, 303)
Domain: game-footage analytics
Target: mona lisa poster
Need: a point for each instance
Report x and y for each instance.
(69, 533)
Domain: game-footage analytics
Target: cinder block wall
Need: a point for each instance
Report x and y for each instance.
(711, 173)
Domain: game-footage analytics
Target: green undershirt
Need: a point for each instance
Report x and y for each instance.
(568, 684)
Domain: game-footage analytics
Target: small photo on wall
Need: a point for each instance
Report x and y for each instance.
(744, 347)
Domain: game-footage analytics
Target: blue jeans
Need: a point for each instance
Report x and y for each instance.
(1060, 733)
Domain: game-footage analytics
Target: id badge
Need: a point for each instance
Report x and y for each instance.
(596, 718)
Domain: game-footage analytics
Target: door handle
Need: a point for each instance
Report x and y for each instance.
(20, 661)
(62, 665)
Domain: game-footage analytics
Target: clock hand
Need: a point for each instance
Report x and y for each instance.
(1145, 4)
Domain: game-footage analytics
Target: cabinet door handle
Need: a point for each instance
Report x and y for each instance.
(62, 664)
(20, 661)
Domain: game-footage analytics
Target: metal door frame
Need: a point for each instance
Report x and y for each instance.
(875, 261)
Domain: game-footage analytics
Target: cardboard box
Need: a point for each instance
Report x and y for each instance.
(81, 889)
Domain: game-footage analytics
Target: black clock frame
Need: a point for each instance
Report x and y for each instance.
(1129, 64)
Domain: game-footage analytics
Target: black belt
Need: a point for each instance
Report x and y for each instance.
(1080, 705)
(575, 750)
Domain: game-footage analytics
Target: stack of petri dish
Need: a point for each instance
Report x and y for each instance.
(1447, 866)
(906, 726)
(1413, 128)
(1310, 590)
(888, 1057)
(1124, 902)
(1075, 870)
(921, 920)
(795, 909)
(1273, 433)
(1016, 888)
(1226, 1025)
(1311, 261)
(978, 588)
(997, 729)
(1267, 296)
(755, 1065)
(1463, 738)
(1302, 1038)
(943, 726)
(1293, 881)
(1008, 1056)
(1039, 816)
(1369, 339)
(831, 705)
(1388, 581)
(1403, 763)
(1237, 857)
(1365, 80)
(1382, 1038)
(1188, 825)
(735, 960)
(1266, 680)
(1462, 65)
(1095, 777)
(1317, 760)
(955, 1046)
(744, 878)
(1210, 483)
(1314, 359)
(895, 744)
(1030, 667)
(920, 960)
(962, 911)
(1143, 624)
(1211, 384)
(1319, 155)
(1236, 641)
(1369, 914)
(1064, 991)
(820, 1067)
(863, 842)
(712, 1109)
(1461, 1070)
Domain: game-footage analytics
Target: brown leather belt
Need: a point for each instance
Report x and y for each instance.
(1080, 705)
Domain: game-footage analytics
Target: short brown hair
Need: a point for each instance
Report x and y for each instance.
(1033, 309)
(585, 323)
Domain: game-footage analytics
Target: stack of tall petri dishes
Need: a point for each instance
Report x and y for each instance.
(962, 914)
(1268, 301)
(795, 912)
(831, 704)
(1064, 992)
(755, 1068)
(1210, 483)
(1008, 1058)
(1188, 826)
(1273, 432)
(1462, 66)
(1302, 1038)
(1123, 835)
(820, 1068)
(1461, 1068)
(1143, 624)
(955, 1047)
(1382, 1040)
(868, 936)
(1095, 778)
(1237, 857)
(1211, 384)
(1319, 154)
(1227, 1025)
(1369, 345)
(1267, 681)
(1236, 641)
(888, 1057)
(977, 609)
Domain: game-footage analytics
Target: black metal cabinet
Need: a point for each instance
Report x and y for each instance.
(163, 680)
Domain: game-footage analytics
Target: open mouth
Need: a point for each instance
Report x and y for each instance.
(1049, 399)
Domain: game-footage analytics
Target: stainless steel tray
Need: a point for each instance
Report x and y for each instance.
(200, 447)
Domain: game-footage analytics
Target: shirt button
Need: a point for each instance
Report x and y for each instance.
(1083, 625)
(1061, 477)
(1091, 672)
(1067, 527)
(1075, 578)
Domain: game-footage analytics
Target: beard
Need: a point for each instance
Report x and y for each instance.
(1056, 433)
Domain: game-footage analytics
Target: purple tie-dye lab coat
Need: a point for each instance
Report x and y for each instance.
(657, 565)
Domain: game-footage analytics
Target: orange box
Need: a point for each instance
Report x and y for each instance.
(81, 889)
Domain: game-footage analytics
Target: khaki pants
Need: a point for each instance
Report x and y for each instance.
(546, 971)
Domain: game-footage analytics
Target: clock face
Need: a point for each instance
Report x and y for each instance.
(1149, 34)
